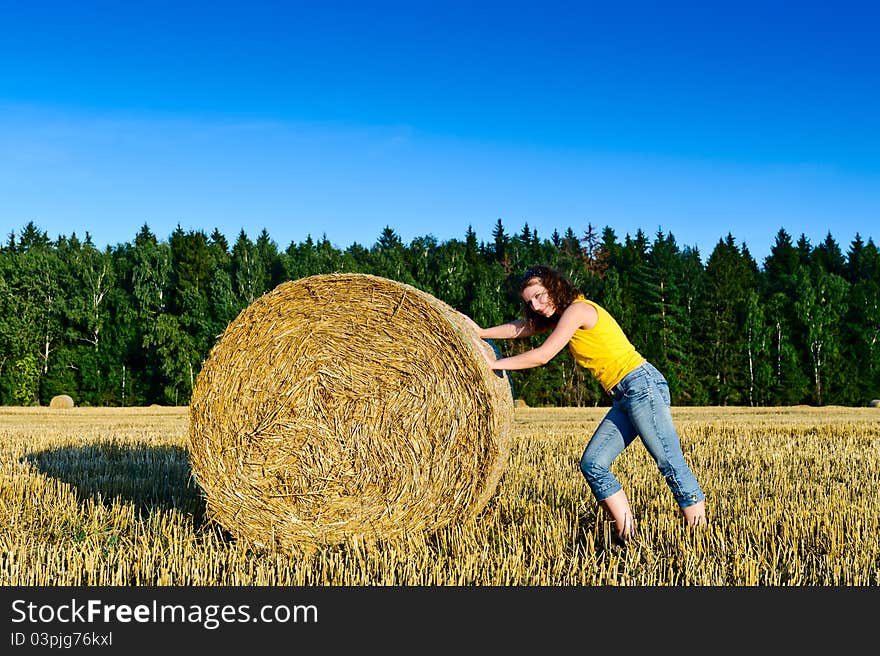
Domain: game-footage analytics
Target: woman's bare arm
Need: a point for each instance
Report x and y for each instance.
(577, 315)
(510, 330)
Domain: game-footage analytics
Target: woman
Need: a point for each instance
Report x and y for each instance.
(640, 394)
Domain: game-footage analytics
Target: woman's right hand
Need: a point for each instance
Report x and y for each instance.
(470, 322)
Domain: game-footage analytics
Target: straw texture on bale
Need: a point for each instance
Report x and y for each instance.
(347, 406)
(61, 401)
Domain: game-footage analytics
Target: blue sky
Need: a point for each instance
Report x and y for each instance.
(340, 118)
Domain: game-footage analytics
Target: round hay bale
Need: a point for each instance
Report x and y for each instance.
(347, 406)
(875, 403)
(61, 402)
(521, 403)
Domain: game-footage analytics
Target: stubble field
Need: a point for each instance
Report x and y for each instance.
(104, 496)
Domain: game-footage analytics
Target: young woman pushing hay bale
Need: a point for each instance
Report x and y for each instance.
(346, 406)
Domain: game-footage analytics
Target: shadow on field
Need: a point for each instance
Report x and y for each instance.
(149, 477)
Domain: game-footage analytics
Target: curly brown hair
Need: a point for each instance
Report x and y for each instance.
(562, 292)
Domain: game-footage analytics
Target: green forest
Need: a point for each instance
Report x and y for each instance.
(131, 324)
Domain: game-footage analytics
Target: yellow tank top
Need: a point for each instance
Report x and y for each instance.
(604, 349)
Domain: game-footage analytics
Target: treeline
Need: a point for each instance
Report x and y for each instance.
(131, 324)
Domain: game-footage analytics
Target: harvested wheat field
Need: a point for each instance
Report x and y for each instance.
(106, 497)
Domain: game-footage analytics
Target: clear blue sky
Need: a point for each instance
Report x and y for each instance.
(340, 118)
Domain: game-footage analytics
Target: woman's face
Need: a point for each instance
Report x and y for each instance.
(538, 298)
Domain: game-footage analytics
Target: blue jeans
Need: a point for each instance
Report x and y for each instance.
(640, 408)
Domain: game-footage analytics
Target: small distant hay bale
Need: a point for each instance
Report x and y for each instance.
(521, 403)
(875, 403)
(61, 402)
(347, 406)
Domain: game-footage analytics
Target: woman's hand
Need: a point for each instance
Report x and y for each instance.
(482, 345)
(470, 322)
(489, 354)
